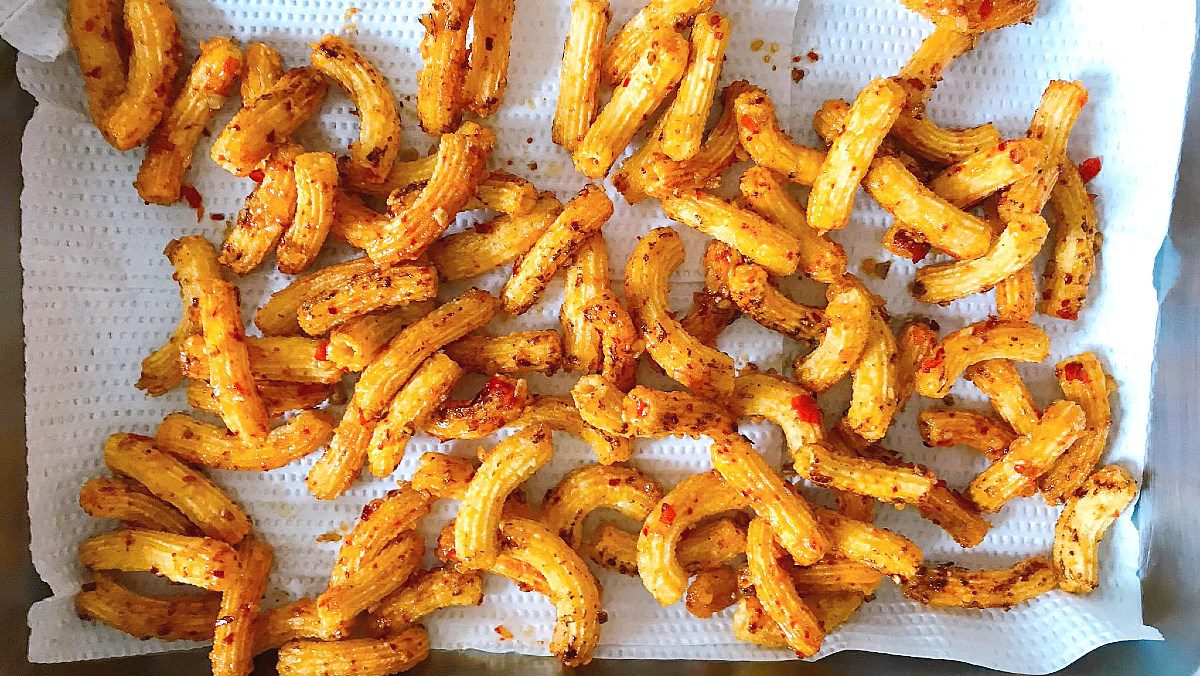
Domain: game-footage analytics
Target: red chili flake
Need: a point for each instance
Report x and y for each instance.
(1075, 371)
(749, 123)
(614, 482)
(934, 360)
(485, 228)
(500, 388)
(985, 9)
(322, 350)
(216, 216)
(257, 175)
(194, 200)
(1089, 168)
(668, 514)
(643, 407)
(911, 248)
(813, 55)
(806, 409)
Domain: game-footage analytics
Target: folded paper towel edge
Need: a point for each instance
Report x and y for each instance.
(35, 27)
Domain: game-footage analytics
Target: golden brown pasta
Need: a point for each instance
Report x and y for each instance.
(559, 413)
(751, 290)
(1082, 524)
(874, 399)
(775, 589)
(494, 243)
(430, 591)
(487, 73)
(879, 548)
(361, 656)
(781, 401)
(591, 487)
(203, 562)
(711, 591)
(316, 183)
(820, 258)
(520, 352)
(1076, 240)
(365, 586)
(261, 126)
(93, 28)
(338, 467)
(768, 145)
(917, 338)
(182, 617)
(128, 501)
(296, 620)
(579, 79)
(264, 67)
(951, 427)
(234, 635)
(763, 242)
(636, 37)
(199, 443)
(382, 521)
(823, 466)
(278, 317)
(354, 344)
(684, 120)
(1084, 381)
(279, 397)
(441, 80)
(974, 16)
(656, 414)
(366, 291)
(499, 403)
(999, 380)
(955, 587)
(228, 360)
(981, 341)
(267, 212)
(848, 326)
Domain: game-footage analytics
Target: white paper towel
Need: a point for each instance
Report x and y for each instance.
(98, 296)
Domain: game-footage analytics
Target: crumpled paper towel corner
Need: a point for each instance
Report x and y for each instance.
(98, 296)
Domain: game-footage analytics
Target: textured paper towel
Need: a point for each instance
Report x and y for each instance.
(98, 297)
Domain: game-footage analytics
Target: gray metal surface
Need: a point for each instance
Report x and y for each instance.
(1167, 511)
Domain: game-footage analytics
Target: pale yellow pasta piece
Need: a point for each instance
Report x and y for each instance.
(781, 401)
(381, 380)
(316, 177)
(354, 344)
(234, 636)
(337, 468)
(506, 467)
(591, 487)
(583, 215)
(951, 427)
(586, 277)
(684, 120)
(711, 591)
(559, 413)
(372, 154)
(772, 498)
(974, 16)
(373, 579)
(409, 411)
(769, 146)
(823, 466)
(494, 243)
(261, 126)
(981, 341)
(182, 617)
(289, 359)
(634, 99)
(967, 182)
(228, 359)
(189, 491)
(923, 70)
(278, 317)
(955, 587)
(917, 338)
(382, 521)
(879, 548)
(523, 351)
(955, 514)
(199, 443)
(751, 290)
(296, 620)
(366, 291)
(499, 403)
(461, 165)
(820, 258)
(1087, 515)
(833, 574)
(487, 73)
(132, 503)
(623, 51)
(601, 405)
(359, 656)
(874, 400)
(169, 151)
(1017, 472)
(702, 368)
(656, 414)
(579, 79)
(207, 563)
(1011, 253)
(999, 380)
(867, 122)
(1016, 295)
(193, 259)
(706, 546)
(267, 212)
(765, 243)
(264, 67)
(920, 136)
(93, 27)
(848, 327)
(1084, 381)
(691, 502)
(430, 591)
(442, 78)
(775, 589)
(154, 55)
(497, 190)
(1076, 240)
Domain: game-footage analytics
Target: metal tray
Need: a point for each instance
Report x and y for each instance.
(1165, 513)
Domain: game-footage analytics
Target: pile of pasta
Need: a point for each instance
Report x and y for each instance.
(742, 533)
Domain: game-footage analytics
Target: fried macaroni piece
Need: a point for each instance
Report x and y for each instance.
(879, 548)
(701, 368)
(520, 352)
(364, 587)
(917, 338)
(296, 620)
(1076, 241)
(867, 122)
(559, 413)
(622, 53)
(381, 380)
(751, 290)
(691, 502)
(289, 359)
(920, 136)
(974, 16)
(1083, 380)
(656, 414)
(366, 291)
(1028, 458)
(207, 563)
(955, 587)
(582, 216)
(498, 404)
(382, 521)
(199, 443)
(186, 489)
(634, 98)
(316, 176)
(601, 405)
(999, 380)
(263, 68)
(361, 656)
(768, 145)
(591, 487)
(874, 400)
(801, 629)
(193, 259)
(372, 155)
(337, 468)
(128, 501)
(585, 279)
(355, 343)
(487, 73)
(820, 258)
(982, 341)
(763, 242)
(93, 28)
(781, 401)
(848, 320)
(442, 78)
(234, 635)
(579, 79)
(261, 126)
(968, 182)
(1011, 252)
(430, 591)
(506, 467)
(772, 498)
(711, 591)
(824, 466)
(228, 359)
(494, 243)
(1083, 523)
(169, 618)
(954, 427)
(684, 120)
(461, 164)
(267, 213)
(169, 152)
